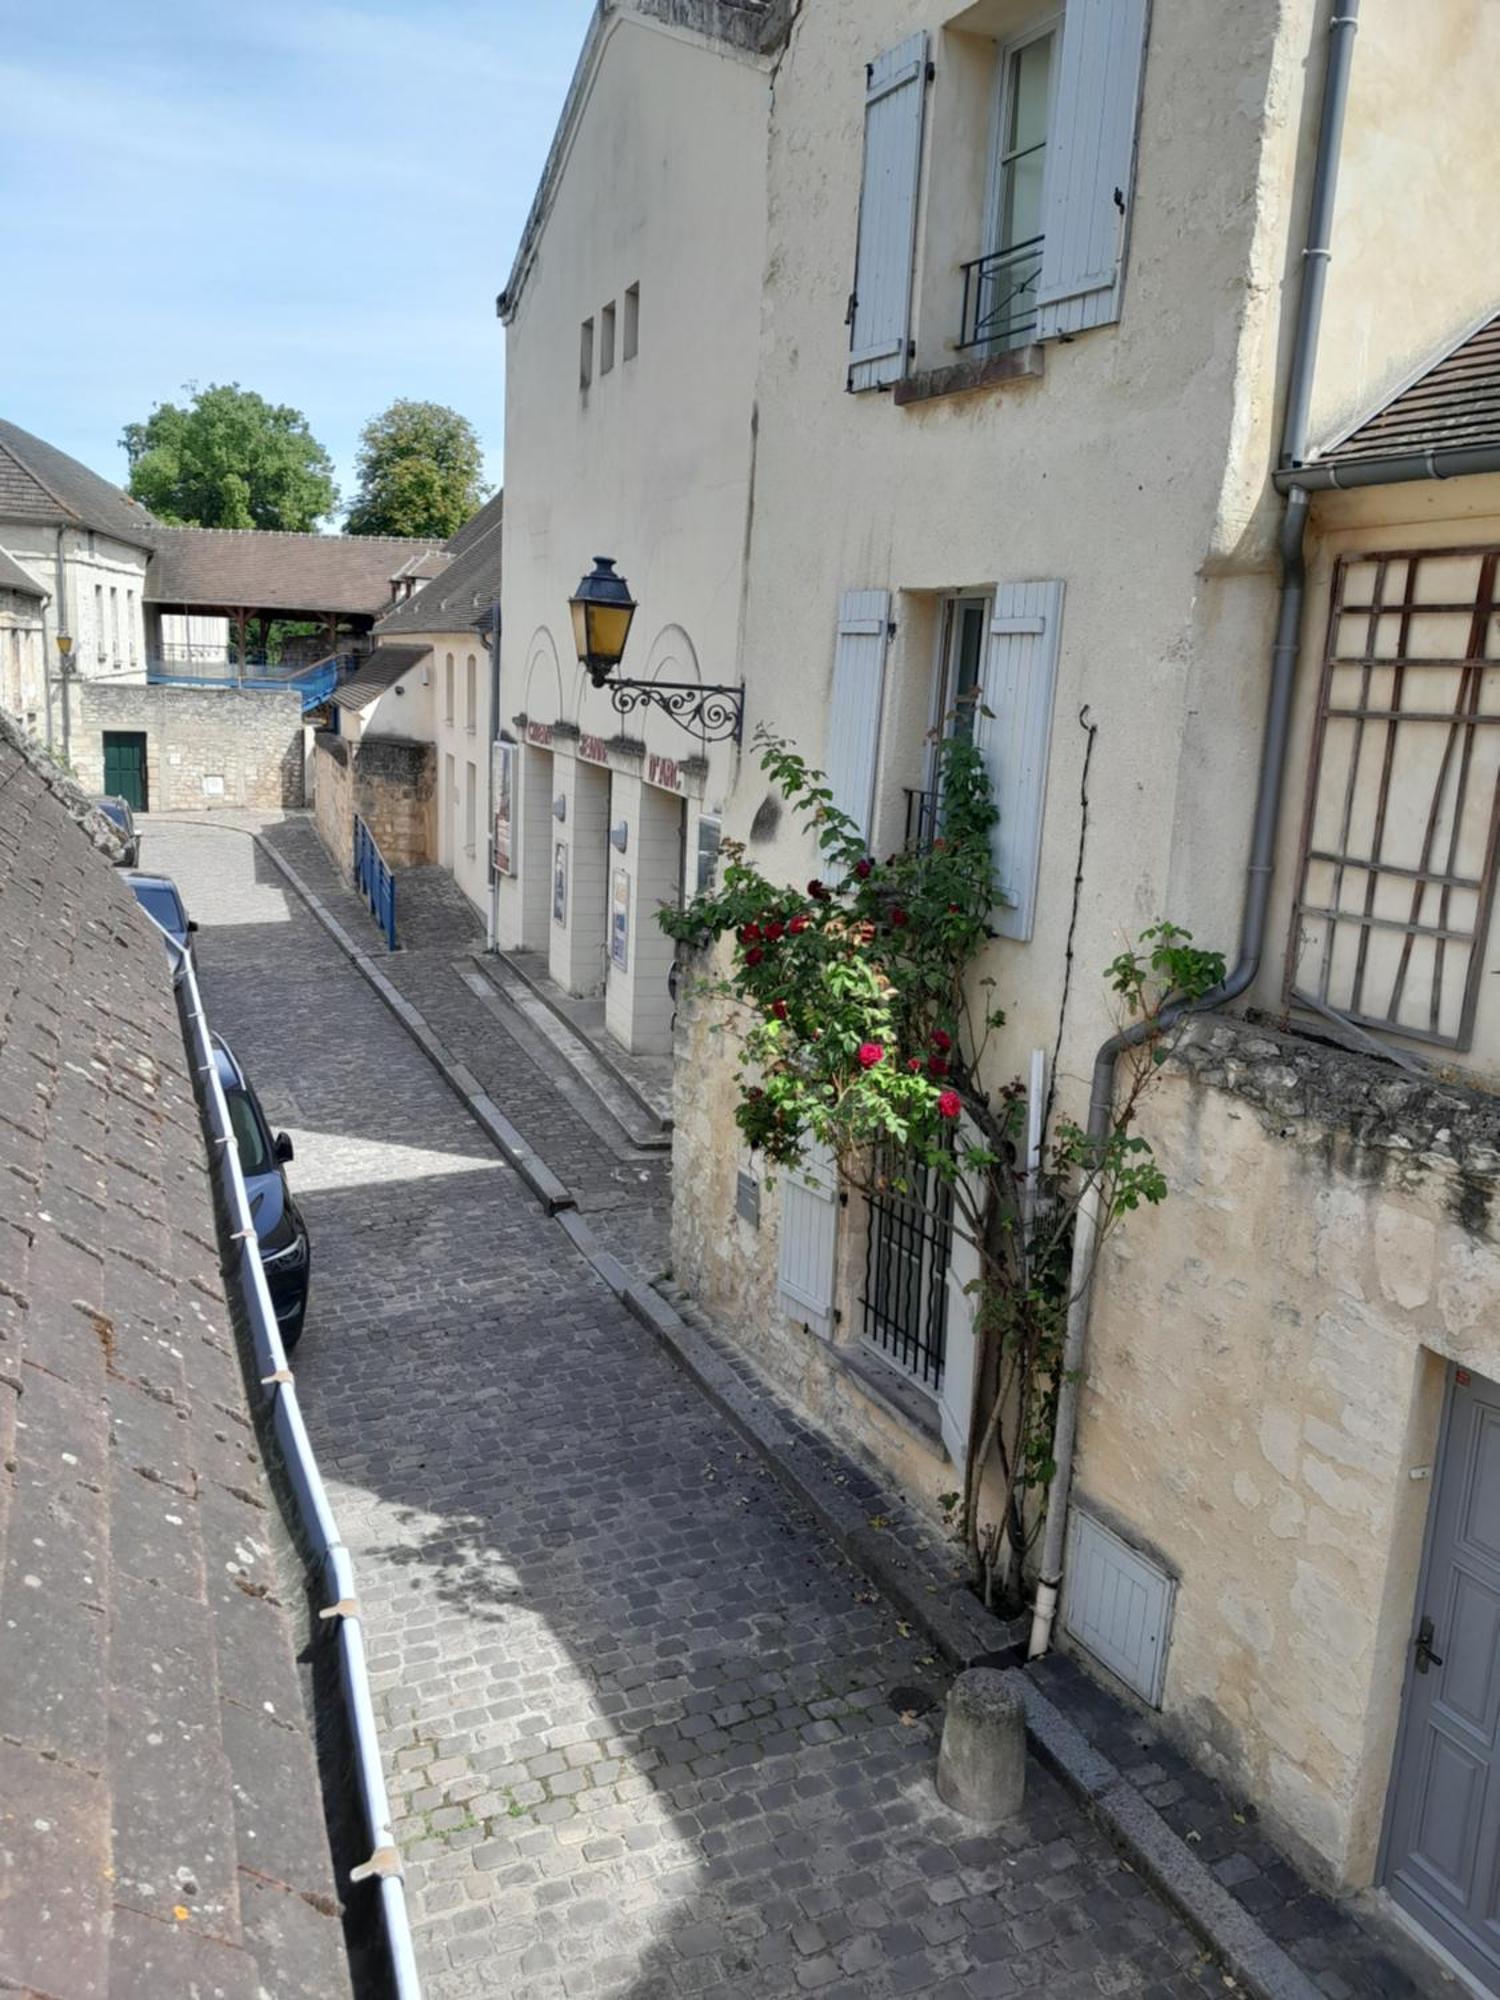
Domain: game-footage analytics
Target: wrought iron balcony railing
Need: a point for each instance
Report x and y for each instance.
(1000, 296)
(921, 821)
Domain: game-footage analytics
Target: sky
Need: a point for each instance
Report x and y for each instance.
(317, 201)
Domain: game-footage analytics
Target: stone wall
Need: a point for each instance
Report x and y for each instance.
(204, 747)
(390, 782)
(1263, 1392)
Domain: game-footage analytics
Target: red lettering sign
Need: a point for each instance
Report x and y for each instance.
(539, 732)
(663, 771)
(592, 748)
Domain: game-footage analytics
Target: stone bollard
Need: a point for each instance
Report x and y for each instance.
(981, 1769)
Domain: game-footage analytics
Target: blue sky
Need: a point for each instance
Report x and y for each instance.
(317, 201)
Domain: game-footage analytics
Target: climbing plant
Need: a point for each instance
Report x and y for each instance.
(864, 1021)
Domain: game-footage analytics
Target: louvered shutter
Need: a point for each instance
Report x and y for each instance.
(960, 1347)
(855, 705)
(1090, 165)
(809, 1239)
(880, 321)
(1020, 675)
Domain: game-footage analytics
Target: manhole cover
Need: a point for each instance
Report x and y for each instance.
(912, 1700)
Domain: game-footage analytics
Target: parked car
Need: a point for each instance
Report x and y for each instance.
(280, 1233)
(159, 897)
(117, 812)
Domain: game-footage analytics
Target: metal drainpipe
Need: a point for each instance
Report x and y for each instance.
(1342, 29)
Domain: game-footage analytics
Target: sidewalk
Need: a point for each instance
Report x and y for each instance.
(1200, 1845)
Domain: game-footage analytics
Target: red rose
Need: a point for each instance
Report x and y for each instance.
(936, 1066)
(754, 1094)
(949, 1104)
(750, 934)
(754, 955)
(779, 1009)
(867, 934)
(940, 1040)
(797, 926)
(870, 1053)
(818, 893)
(913, 1063)
(953, 909)
(863, 867)
(898, 917)
(774, 931)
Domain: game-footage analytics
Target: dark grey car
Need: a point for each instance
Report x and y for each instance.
(117, 812)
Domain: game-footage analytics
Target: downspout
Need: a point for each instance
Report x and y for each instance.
(1294, 440)
(492, 926)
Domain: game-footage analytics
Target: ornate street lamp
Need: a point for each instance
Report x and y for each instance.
(602, 609)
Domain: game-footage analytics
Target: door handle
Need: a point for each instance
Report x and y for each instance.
(1425, 1656)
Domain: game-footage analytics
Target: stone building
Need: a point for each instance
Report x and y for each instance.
(23, 644)
(1034, 408)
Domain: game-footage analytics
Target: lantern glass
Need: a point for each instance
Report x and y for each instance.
(602, 609)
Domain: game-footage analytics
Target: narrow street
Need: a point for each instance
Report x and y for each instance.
(636, 1712)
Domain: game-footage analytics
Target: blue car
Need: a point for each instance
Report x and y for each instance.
(280, 1233)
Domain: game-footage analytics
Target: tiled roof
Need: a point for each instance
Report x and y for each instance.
(261, 569)
(459, 599)
(478, 524)
(381, 670)
(1454, 403)
(40, 483)
(160, 1815)
(13, 577)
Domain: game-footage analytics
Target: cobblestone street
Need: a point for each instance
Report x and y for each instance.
(640, 1718)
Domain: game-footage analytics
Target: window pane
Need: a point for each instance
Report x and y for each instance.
(162, 904)
(1026, 142)
(249, 1134)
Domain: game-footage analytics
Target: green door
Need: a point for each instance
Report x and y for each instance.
(125, 767)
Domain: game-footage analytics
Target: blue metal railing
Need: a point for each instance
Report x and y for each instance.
(314, 682)
(375, 881)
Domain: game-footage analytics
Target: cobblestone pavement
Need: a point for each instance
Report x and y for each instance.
(643, 1724)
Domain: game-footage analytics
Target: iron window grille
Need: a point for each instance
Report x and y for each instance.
(907, 1252)
(1396, 872)
(999, 308)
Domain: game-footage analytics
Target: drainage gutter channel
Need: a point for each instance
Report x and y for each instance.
(314, 1511)
(954, 1621)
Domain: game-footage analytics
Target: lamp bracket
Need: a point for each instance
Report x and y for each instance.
(716, 714)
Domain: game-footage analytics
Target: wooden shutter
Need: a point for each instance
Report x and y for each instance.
(960, 1346)
(809, 1239)
(880, 311)
(1090, 165)
(1020, 674)
(855, 704)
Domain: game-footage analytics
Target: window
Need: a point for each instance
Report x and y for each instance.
(99, 620)
(586, 354)
(130, 622)
(447, 839)
(607, 338)
(1000, 288)
(471, 801)
(910, 1241)
(630, 345)
(957, 691)
(448, 689)
(1396, 878)
(251, 1139)
(114, 624)
(471, 695)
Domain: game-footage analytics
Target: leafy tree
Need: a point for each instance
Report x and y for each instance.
(863, 1020)
(230, 459)
(420, 471)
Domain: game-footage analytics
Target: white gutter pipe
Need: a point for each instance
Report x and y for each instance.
(1342, 29)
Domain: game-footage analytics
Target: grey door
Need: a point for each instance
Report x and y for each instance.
(1443, 1840)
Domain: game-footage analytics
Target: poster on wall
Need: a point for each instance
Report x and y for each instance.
(619, 921)
(503, 777)
(560, 883)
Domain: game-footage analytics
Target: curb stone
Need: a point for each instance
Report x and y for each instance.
(961, 1629)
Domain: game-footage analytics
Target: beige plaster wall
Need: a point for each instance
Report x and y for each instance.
(661, 186)
(1262, 1395)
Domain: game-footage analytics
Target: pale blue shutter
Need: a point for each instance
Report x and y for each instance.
(880, 319)
(960, 1346)
(809, 1239)
(1020, 674)
(1090, 165)
(855, 705)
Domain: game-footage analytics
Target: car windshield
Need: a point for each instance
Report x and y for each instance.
(250, 1135)
(113, 810)
(160, 900)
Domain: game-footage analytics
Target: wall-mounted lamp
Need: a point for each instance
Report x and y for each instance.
(602, 608)
(619, 835)
(560, 807)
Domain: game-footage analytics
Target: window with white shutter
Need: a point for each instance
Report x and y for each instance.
(880, 308)
(854, 708)
(1014, 733)
(1090, 165)
(809, 1239)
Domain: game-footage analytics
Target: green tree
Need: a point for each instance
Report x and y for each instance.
(420, 470)
(230, 459)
